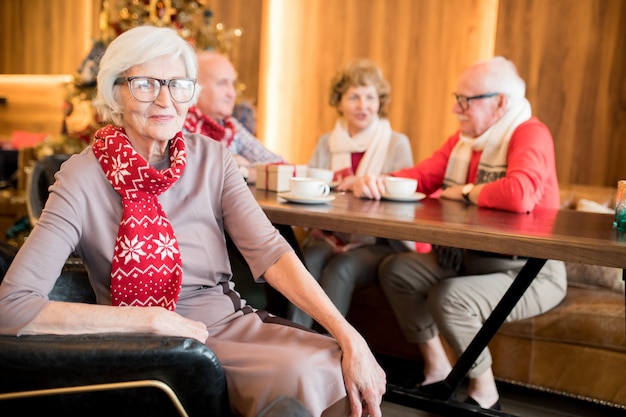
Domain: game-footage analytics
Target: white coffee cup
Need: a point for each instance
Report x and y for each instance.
(306, 187)
(325, 175)
(400, 187)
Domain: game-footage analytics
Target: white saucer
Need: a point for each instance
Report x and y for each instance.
(306, 200)
(412, 197)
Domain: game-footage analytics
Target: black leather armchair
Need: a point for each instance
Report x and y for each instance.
(106, 374)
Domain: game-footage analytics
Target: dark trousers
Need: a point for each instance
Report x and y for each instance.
(262, 296)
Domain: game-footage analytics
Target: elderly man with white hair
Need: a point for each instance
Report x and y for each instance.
(500, 158)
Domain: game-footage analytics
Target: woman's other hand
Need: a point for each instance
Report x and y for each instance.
(365, 380)
(369, 186)
(346, 183)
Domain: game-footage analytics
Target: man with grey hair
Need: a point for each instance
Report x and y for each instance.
(500, 158)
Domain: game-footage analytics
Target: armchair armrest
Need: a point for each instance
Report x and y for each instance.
(53, 363)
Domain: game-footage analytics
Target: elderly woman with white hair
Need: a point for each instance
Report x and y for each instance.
(500, 158)
(146, 207)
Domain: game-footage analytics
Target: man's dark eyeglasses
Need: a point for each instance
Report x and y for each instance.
(464, 101)
(147, 89)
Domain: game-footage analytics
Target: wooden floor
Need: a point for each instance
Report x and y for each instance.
(520, 402)
(515, 400)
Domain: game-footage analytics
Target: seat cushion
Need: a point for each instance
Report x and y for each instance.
(586, 317)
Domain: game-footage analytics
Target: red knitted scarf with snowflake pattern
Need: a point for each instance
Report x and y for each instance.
(196, 122)
(146, 268)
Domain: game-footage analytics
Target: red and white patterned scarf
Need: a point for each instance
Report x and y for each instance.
(147, 268)
(196, 122)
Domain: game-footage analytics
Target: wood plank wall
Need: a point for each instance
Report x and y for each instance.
(571, 52)
(245, 14)
(46, 37)
(312, 39)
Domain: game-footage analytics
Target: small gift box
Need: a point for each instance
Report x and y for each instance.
(275, 177)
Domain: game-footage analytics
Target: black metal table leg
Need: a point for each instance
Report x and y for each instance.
(437, 395)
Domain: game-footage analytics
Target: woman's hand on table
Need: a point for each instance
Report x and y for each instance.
(347, 183)
(369, 186)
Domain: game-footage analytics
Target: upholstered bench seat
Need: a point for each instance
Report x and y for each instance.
(586, 317)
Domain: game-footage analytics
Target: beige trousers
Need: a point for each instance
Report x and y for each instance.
(428, 299)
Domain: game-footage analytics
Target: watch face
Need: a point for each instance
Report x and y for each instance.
(468, 189)
(244, 171)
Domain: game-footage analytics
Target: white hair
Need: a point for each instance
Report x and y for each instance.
(501, 76)
(135, 47)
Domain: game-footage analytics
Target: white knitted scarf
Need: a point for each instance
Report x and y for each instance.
(374, 141)
(494, 144)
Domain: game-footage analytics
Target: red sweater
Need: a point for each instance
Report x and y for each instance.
(530, 181)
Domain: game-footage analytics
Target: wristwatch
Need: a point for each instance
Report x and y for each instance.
(467, 189)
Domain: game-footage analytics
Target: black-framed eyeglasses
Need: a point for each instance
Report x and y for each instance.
(464, 101)
(147, 89)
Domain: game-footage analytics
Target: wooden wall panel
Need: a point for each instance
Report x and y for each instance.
(245, 14)
(573, 55)
(571, 52)
(45, 37)
(421, 46)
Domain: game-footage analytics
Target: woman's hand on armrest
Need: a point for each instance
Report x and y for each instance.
(77, 318)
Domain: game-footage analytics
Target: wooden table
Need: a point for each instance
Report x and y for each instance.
(565, 235)
(548, 234)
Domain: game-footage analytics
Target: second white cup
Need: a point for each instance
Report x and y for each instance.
(308, 187)
(400, 187)
(325, 175)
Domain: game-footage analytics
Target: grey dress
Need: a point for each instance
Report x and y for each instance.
(263, 356)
